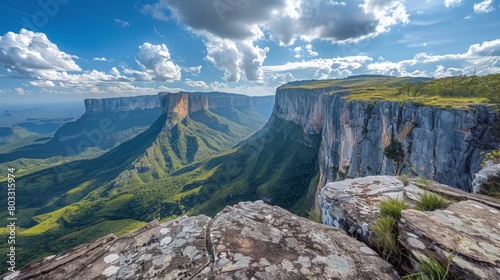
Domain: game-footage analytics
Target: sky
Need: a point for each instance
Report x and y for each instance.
(61, 50)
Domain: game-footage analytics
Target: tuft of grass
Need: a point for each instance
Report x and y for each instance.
(385, 237)
(314, 214)
(431, 269)
(431, 201)
(392, 207)
(423, 181)
(405, 178)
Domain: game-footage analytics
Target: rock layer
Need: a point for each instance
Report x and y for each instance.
(122, 104)
(356, 133)
(247, 241)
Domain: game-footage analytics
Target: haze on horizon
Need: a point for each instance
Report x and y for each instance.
(67, 50)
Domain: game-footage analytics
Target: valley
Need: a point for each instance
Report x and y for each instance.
(196, 153)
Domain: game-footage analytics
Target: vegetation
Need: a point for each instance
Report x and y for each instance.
(456, 92)
(314, 214)
(386, 237)
(431, 269)
(492, 186)
(423, 181)
(392, 207)
(431, 201)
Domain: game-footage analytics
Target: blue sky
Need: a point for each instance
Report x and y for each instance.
(57, 50)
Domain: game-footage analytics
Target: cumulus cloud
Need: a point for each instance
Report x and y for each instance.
(232, 28)
(236, 58)
(156, 64)
(20, 90)
(27, 51)
(479, 59)
(193, 71)
(484, 7)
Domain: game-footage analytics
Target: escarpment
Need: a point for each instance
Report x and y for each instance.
(122, 104)
(362, 138)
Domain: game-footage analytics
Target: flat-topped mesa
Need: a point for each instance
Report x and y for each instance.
(363, 137)
(179, 105)
(122, 104)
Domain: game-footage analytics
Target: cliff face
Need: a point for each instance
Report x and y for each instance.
(178, 106)
(122, 104)
(361, 138)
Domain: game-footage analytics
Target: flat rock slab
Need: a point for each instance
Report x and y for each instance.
(353, 204)
(258, 241)
(247, 241)
(468, 230)
(174, 250)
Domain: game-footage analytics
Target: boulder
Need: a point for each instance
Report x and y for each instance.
(468, 231)
(247, 241)
(353, 204)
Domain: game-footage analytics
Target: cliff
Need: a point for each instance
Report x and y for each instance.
(178, 106)
(361, 138)
(122, 104)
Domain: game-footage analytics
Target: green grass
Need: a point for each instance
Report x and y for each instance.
(386, 238)
(392, 207)
(405, 179)
(431, 201)
(423, 181)
(453, 92)
(431, 269)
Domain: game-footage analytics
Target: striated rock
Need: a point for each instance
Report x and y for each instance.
(247, 241)
(356, 133)
(353, 204)
(469, 231)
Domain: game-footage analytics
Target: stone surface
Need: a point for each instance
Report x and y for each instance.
(468, 230)
(353, 204)
(247, 241)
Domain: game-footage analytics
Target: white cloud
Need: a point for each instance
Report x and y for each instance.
(155, 61)
(231, 29)
(452, 3)
(236, 58)
(20, 91)
(484, 7)
(102, 59)
(196, 84)
(121, 23)
(27, 51)
(193, 71)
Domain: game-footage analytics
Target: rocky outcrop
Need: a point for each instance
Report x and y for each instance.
(122, 104)
(442, 144)
(247, 241)
(467, 232)
(353, 204)
(489, 170)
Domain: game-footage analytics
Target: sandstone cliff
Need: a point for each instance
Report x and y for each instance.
(122, 104)
(443, 144)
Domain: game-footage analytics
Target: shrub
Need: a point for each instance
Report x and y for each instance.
(431, 201)
(392, 207)
(394, 151)
(385, 236)
(493, 156)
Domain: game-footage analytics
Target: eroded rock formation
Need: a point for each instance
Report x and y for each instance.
(247, 241)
